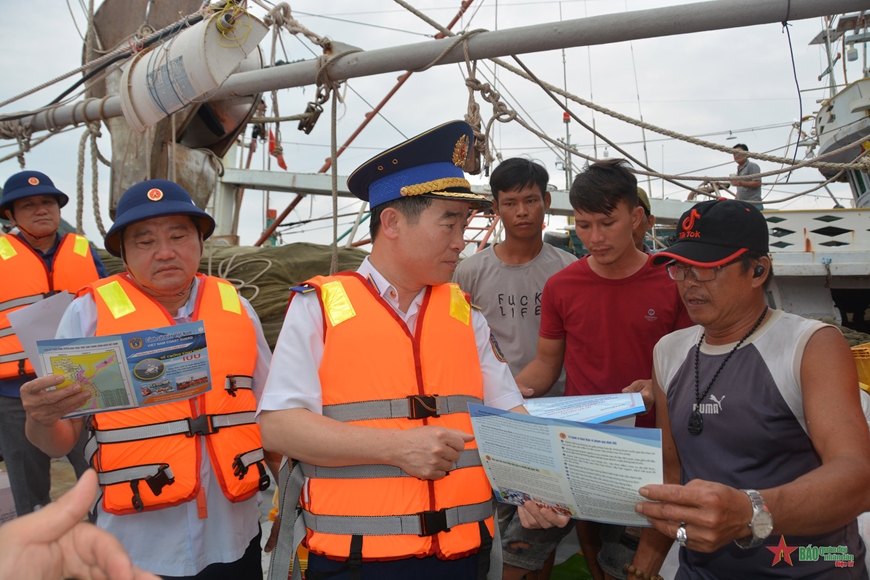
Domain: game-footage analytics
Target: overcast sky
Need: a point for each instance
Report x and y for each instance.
(706, 83)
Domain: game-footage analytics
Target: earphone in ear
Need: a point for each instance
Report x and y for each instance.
(759, 272)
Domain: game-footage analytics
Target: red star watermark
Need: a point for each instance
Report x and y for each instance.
(781, 552)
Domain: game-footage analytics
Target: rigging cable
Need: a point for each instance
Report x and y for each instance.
(591, 98)
(785, 29)
(99, 65)
(639, 111)
(347, 84)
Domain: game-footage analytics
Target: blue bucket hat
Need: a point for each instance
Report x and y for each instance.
(428, 165)
(27, 184)
(151, 199)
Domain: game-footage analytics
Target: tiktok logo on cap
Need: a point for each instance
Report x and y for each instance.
(688, 224)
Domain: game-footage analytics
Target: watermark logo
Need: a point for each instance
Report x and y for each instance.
(781, 552)
(839, 556)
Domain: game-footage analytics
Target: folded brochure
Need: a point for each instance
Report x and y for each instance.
(134, 369)
(587, 408)
(581, 470)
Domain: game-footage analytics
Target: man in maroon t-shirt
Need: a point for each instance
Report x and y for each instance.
(601, 317)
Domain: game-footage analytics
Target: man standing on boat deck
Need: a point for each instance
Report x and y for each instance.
(766, 448)
(601, 318)
(507, 280)
(33, 264)
(372, 378)
(747, 189)
(182, 498)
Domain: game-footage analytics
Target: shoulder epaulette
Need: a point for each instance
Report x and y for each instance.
(302, 289)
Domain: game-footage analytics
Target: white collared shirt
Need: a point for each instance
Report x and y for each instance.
(294, 381)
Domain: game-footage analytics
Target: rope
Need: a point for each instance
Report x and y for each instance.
(94, 132)
(216, 162)
(863, 166)
(591, 129)
(91, 133)
(170, 150)
(281, 16)
(229, 264)
(89, 34)
(33, 143)
(277, 17)
(22, 136)
(818, 187)
(675, 134)
(80, 184)
(333, 265)
(472, 117)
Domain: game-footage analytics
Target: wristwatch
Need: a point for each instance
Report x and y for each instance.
(761, 523)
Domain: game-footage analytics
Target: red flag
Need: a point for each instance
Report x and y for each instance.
(276, 151)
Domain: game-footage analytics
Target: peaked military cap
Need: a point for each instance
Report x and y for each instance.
(428, 165)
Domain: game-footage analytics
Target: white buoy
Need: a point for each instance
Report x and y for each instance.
(162, 80)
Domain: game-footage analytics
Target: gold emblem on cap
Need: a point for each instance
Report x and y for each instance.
(155, 194)
(460, 151)
(33, 181)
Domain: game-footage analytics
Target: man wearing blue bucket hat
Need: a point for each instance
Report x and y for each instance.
(382, 365)
(34, 263)
(179, 480)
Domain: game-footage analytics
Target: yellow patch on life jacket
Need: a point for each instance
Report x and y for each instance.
(6, 249)
(81, 246)
(460, 309)
(336, 302)
(116, 299)
(229, 298)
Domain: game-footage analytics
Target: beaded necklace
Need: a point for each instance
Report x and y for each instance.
(696, 419)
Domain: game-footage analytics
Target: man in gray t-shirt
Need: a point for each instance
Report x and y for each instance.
(506, 281)
(747, 189)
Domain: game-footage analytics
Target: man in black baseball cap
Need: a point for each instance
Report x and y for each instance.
(760, 415)
(716, 232)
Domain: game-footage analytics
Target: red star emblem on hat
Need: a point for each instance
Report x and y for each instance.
(155, 194)
(33, 181)
(781, 552)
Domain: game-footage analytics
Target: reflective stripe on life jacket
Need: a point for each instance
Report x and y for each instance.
(375, 373)
(149, 458)
(26, 280)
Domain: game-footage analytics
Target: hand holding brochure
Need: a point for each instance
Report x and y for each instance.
(581, 470)
(133, 369)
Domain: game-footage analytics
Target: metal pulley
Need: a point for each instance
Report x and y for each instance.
(313, 110)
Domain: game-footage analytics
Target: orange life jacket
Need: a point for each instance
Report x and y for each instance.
(374, 373)
(27, 279)
(149, 458)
